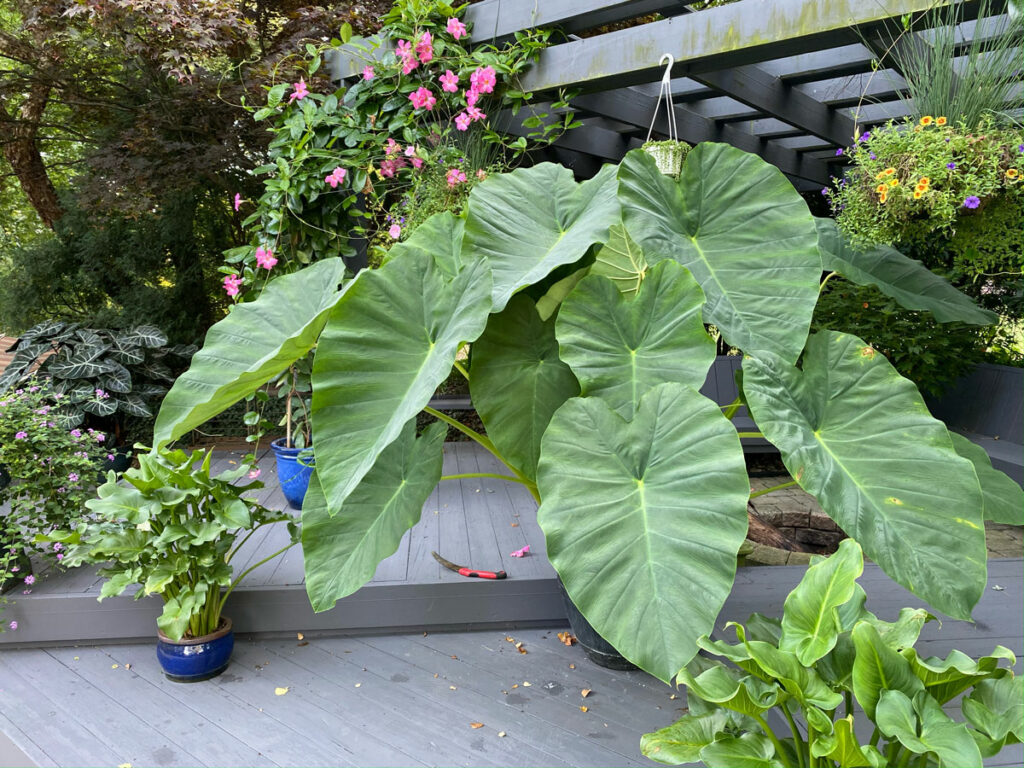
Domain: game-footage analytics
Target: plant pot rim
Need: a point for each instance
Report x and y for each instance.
(224, 629)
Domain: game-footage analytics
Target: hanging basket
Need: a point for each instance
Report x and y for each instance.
(668, 155)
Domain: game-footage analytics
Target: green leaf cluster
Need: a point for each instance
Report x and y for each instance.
(171, 528)
(827, 654)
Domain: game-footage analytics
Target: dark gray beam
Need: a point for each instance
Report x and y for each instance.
(722, 108)
(740, 33)
(833, 62)
(768, 128)
(498, 19)
(630, 105)
(594, 140)
(869, 87)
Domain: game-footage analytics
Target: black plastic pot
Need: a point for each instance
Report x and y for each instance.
(598, 650)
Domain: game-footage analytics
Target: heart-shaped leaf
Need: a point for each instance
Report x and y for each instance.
(750, 750)
(643, 519)
(528, 222)
(858, 436)
(746, 235)
(841, 745)
(717, 684)
(682, 741)
(1004, 499)
(921, 726)
(342, 552)
(879, 668)
(620, 347)
(517, 381)
(996, 707)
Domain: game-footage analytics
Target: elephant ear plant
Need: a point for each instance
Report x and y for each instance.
(828, 653)
(171, 528)
(585, 305)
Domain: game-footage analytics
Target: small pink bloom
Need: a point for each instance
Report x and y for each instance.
(100, 437)
(455, 177)
(422, 98)
(472, 96)
(388, 168)
(456, 28)
(368, 73)
(404, 49)
(254, 474)
(393, 147)
(300, 91)
(483, 79)
(238, 201)
(410, 150)
(232, 285)
(395, 231)
(73, 477)
(20, 435)
(14, 625)
(481, 174)
(57, 546)
(417, 163)
(30, 580)
(425, 48)
(15, 568)
(475, 114)
(76, 433)
(462, 121)
(265, 258)
(520, 552)
(449, 82)
(59, 557)
(336, 177)
(409, 65)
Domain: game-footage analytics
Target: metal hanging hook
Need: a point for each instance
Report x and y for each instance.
(667, 77)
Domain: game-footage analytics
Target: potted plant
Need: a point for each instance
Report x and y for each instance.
(588, 352)
(828, 654)
(171, 528)
(294, 452)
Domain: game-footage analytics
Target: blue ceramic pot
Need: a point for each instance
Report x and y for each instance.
(195, 659)
(292, 473)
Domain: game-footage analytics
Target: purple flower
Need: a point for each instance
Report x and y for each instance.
(972, 201)
(824, 190)
(73, 477)
(951, 166)
(100, 437)
(1020, 148)
(60, 556)
(839, 152)
(873, 156)
(57, 546)
(30, 580)
(14, 625)
(866, 136)
(15, 568)
(20, 435)
(110, 457)
(76, 433)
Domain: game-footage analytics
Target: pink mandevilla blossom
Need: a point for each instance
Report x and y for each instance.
(232, 285)
(483, 79)
(422, 98)
(475, 114)
(300, 91)
(521, 552)
(395, 231)
(254, 474)
(238, 201)
(472, 96)
(368, 73)
(481, 174)
(336, 177)
(416, 163)
(30, 580)
(425, 48)
(13, 625)
(393, 147)
(462, 121)
(455, 177)
(405, 53)
(410, 150)
(449, 82)
(456, 28)
(265, 258)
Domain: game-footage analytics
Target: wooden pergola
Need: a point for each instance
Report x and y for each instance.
(789, 80)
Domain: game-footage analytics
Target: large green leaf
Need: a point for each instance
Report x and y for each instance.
(249, 347)
(717, 684)
(879, 668)
(810, 621)
(996, 707)
(921, 726)
(439, 237)
(906, 280)
(746, 235)
(341, 553)
(750, 750)
(643, 519)
(528, 222)
(682, 741)
(841, 745)
(1003, 498)
(621, 260)
(946, 678)
(858, 436)
(800, 681)
(620, 347)
(388, 344)
(517, 381)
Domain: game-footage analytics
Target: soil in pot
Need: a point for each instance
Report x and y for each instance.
(191, 660)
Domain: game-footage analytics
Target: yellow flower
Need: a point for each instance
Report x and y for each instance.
(921, 188)
(940, 121)
(880, 188)
(918, 193)
(889, 171)
(893, 182)
(924, 181)
(883, 197)
(927, 120)
(1012, 173)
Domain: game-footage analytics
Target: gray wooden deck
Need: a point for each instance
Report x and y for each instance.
(476, 522)
(405, 699)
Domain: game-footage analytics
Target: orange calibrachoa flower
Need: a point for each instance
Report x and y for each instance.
(924, 181)
(941, 121)
(880, 188)
(893, 182)
(918, 193)
(1012, 173)
(927, 120)
(883, 196)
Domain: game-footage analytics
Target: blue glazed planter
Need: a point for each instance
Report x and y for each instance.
(200, 658)
(293, 475)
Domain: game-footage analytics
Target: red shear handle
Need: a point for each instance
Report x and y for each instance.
(482, 574)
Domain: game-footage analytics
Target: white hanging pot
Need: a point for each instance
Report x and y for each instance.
(668, 155)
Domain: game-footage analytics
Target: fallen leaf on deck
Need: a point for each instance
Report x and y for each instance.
(359, 685)
(299, 636)
(125, 765)
(501, 734)
(572, 666)
(673, 697)
(452, 688)
(476, 725)
(520, 648)
(455, 657)
(584, 709)
(526, 684)
(127, 666)
(114, 666)
(304, 642)
(280, 691)
(585, 692)
(514, 525)
(435, 674)
(516, 685)
(76, 658)
(509, 639)
(566, 638)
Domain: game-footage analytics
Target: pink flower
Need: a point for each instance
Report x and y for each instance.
(472, 96)
(102, 396)
(410, 150)
(449, 82)
(405, 53)
(417, 163)
(76, 433)
(15, 568)
(336, 177)
(388, 168)
(14, 625)
(265, 258)
(455, 177)
(422, 97)
(425, 48)
(393, 147)
(475, 114)
(368, 73)
(30, 580)
(456, 28)
(300, 91)
(395, 231)
(481, 174)
(73, 477)
(462, 121)
(59, 557)
(57, 546)
(100, 437)
(20, 435)
(254, 474)
(232, 284)
(238, 201)
(483, 79)
(409, 65)
(520, 552)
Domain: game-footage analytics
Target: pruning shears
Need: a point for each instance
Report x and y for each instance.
(470, 572)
